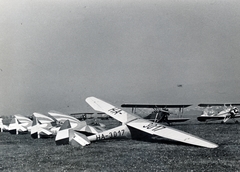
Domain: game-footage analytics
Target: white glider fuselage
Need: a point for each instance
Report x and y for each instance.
(117, 132)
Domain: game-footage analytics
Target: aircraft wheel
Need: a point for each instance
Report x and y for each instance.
(236, 122)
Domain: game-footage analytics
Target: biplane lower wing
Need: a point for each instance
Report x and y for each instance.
(170, 120)
(177, 119)
(213, 118)
(147, 126)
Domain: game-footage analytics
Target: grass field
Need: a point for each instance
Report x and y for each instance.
(22, 153)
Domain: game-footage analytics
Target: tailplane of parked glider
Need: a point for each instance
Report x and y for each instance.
(38, 131)
(66, 135)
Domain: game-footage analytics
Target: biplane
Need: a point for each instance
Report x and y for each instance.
(88, 115)
(132, 126)
(160, 113)
(230, 111)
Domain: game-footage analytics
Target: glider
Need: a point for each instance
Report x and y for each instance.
(47, 122)
(229, 112)
(79, 126)
(137, 128)
(2, 126)
(66, 135)
(15, 127)
(160, 113)
(38, 131)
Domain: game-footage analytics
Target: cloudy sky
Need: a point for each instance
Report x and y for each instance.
(56, 53)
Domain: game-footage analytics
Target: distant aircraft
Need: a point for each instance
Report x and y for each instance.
(137, 128)
(160, 112)
(229, 112)
(88, 115)
(82, 115)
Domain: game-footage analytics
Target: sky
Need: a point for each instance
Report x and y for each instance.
(55, 54)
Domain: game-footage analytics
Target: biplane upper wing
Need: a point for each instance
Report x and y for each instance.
(82, 113)
(155, 105)
(218, 104)
(147, 126)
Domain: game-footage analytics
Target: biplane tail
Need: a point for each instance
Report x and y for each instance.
(66, 135)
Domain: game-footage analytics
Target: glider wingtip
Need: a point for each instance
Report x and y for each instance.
(209, 145)
(213, 146)
(89, 98)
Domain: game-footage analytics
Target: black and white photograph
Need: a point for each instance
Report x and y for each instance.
(119, 85)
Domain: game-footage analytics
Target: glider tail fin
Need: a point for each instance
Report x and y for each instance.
(1, 125)
(35, 128)
(66, 135)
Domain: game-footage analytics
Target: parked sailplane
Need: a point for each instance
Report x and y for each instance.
(45, 126)
(3, 127)
(160, 112)
(39, 130)
(229, 112)
(132, 127)
(19, 125)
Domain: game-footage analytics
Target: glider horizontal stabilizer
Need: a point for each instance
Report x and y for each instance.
(66, 135)
(37, 131)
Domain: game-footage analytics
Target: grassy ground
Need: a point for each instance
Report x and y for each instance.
(22, 153)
